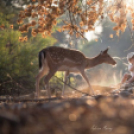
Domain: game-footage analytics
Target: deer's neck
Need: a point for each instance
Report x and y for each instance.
(91, 62)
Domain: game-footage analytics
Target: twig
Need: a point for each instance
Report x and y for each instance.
(72, 87)
(19, 99)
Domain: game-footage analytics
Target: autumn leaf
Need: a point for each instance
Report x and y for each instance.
(43, 35)
(133, 28)
(132, 21)
(132, 15)
(20, 21)
(11, 26)
(96, 40)
(21, 39)
(71, 43)
(118, 33)
(25, 38)
(116, 28)
(111, 35)
(33, 23)
(2, 26)
(77, 35)
(59, 30)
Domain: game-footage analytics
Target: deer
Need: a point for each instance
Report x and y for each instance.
(54, 58)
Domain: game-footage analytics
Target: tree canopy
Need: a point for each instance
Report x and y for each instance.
(81, 15)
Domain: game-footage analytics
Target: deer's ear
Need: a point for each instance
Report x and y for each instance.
(105, 51)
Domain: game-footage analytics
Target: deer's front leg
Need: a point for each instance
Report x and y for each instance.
(65, 80)
(86, 79)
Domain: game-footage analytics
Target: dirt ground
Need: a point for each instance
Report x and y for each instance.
(74, 114)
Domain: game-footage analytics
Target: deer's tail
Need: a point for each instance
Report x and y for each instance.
(41, 57)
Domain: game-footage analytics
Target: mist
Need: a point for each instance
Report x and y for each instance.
(99, 40)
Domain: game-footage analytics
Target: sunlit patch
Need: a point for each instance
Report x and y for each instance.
(73, 92)
(117, 58)
(115, 78)
(129, 4)
(97, 92)
(72, 117)
(91, 35)
(91, 102)
(132, 102)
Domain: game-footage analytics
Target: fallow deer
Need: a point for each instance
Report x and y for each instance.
(53, 59)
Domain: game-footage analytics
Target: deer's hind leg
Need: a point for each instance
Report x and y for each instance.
(41, 73)
(47, 79)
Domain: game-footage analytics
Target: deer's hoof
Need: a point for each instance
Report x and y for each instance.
(36, 96)
(62, 97)
(93, 95)
(84, 95)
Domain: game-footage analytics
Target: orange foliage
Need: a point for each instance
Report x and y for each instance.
(11, 26)
(23, 39)
(2, 26)
(111, 35)
(48, 11)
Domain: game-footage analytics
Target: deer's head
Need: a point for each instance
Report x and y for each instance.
(106, 58)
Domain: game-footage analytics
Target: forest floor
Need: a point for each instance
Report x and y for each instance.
(73, 114)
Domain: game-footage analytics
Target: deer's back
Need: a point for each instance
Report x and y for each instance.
(58, 54)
